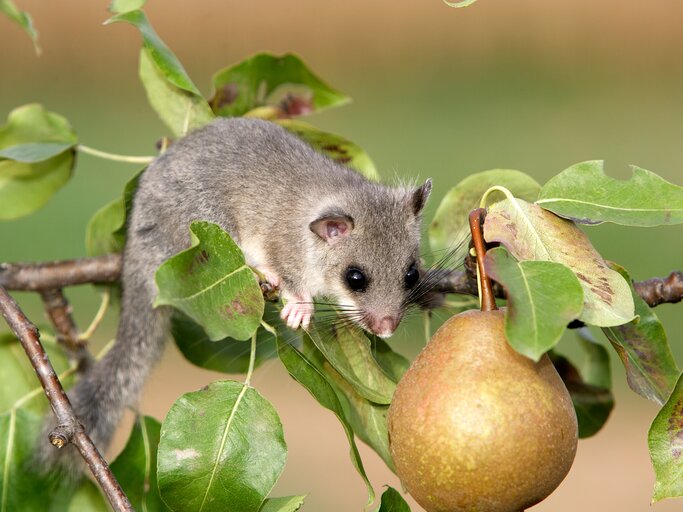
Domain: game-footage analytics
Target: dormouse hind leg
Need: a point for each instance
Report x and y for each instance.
(298, 310)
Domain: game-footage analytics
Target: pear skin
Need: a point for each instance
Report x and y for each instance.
(476, 427)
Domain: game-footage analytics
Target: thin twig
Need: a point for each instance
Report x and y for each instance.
(59, 312)
(69, 429)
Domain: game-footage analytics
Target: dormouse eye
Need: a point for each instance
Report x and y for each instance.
(356, 279)
(412, 276)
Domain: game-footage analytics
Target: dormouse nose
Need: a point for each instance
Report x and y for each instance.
(384, 326)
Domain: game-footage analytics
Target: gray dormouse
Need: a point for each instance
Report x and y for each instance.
(312, 227)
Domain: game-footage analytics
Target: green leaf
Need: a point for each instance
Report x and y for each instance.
(450, 224)
(593, 404)
(36, 159)
(227, 355)
(284, 504)
(123, 6)
(88, 498)
(34, 152)
(665, 440)
(222, 449)
(136, 466)
(393, 363)
(211, 283)
(106, 230)
(18, 380)
(595, 368)
(532, 233)
(169, 89)
(255, 81)
(543, 297)
(333, 146)
(349, 351)
(368, 420)
(21, 18)
(643, 347)
(305, 373)
(585, 194)
(182, 111)
(392, 501)
(19, 489)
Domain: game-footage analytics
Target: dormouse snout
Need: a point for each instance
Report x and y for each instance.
(383, 326)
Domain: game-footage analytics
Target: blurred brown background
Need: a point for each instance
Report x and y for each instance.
(437, 92)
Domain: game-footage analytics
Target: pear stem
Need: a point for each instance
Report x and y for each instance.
(488, 300)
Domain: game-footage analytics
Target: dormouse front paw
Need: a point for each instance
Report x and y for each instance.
(270, 286)
(298, 310)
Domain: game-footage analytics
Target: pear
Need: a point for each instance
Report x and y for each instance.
(476, 427)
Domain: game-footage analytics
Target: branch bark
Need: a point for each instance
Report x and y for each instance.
(58, 274)
(59, 312)
(107, 269)
(69, 429)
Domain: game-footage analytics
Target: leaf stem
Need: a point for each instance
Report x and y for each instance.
(112, 156)
(269, 328)
(104, 305)
(506, 192)
(39, 390)
(427, 325)
(66, 373)
(252, 359)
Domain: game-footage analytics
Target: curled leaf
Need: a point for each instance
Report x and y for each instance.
(450, 222)
(21, 18)
(585, 194)
(348, 350)
(305, 373)
(170, 90)
(643, 348)
(211, 283)
(36, 159)
(335, 147)
(531, 233)
(255, 82)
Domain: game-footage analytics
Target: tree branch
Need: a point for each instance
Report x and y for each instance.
(68, 335)
(660, 290)
(58, 274)
(107, 269)
(69, 429)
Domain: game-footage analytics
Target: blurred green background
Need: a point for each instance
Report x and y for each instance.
(439, 92)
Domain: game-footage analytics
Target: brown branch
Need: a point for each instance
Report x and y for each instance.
(660, 290)
(59, 312)
(58, 274)
(69, 429)
(107, 269)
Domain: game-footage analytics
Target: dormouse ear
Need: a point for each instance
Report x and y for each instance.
(420, 196)
(332, 228)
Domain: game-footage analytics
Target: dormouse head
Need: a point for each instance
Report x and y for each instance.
(367, 243)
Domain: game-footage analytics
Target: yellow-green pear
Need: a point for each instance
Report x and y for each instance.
(476, 427)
